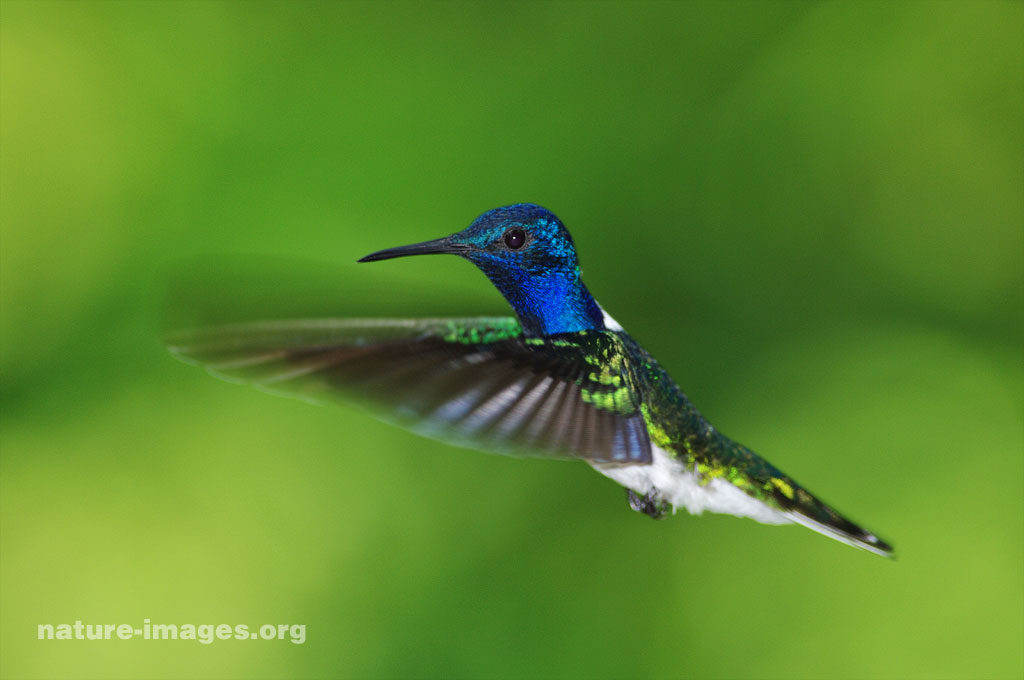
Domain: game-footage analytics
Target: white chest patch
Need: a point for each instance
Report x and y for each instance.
(609, 323)
(680, 487)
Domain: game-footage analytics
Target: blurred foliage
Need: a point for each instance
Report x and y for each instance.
(812, 213)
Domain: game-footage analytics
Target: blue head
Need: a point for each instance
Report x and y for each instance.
(529, 256)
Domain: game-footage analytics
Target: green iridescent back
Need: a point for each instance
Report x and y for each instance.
(675, 425)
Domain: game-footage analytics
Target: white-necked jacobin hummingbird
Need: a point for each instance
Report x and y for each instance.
(562, 379)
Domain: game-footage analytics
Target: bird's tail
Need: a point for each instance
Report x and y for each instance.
(798, 504)
(838, 527)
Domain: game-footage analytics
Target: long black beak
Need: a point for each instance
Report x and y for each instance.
(438, 245)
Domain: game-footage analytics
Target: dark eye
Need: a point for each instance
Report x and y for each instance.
(515, 238)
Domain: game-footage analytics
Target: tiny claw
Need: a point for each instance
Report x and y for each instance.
(649, 504)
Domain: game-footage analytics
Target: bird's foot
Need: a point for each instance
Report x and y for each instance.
(650, 504)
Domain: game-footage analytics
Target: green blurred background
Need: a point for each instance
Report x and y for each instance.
(812, 213)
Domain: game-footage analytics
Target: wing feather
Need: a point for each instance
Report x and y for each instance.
(475, 382)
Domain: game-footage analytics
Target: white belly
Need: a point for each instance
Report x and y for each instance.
(679, 486)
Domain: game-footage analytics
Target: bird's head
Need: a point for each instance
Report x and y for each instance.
(528, 254)
(516, 240)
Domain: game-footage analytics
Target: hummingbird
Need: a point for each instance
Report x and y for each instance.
(560, 379)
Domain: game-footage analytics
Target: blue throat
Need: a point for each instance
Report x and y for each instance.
(547, 303)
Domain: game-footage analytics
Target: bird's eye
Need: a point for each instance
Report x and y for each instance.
(515, 238)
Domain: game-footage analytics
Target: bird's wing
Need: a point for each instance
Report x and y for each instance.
(474, 382)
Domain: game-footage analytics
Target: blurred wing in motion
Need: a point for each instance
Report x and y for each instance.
(474, 382)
